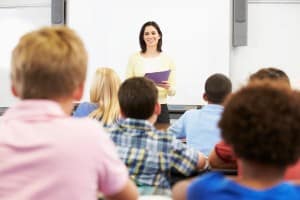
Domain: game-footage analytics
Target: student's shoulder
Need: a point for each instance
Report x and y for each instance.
(284, 190)
(161, 135)
(86, 122)
(294, 189)
(206, 183)
(84, 109)
(84, 127)
(114, 128)
(192, 113)
(297, 187)
(94, 140)
(208, 180)
(87, 105)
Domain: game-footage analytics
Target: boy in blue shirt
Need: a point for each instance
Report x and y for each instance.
(199, 127)
(261, 124)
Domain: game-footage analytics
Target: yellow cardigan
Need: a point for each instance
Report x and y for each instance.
(136, 67)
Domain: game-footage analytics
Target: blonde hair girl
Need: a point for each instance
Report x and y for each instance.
(104, 92)
(104, 105)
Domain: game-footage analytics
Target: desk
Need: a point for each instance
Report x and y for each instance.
(175, 111)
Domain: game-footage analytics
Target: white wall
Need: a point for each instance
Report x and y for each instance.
(273, 40)
(16, 18)
(111, 28)
(196, 33)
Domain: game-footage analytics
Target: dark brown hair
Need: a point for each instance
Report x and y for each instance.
(141, 36)
(261, 122)
(137, 98)
(217, 87)
(270, 73)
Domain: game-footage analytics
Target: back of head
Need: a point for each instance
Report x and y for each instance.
(272, 74)
(138, 97)
(48, 63)
(217, 87)
(261, 122)
(104, 92)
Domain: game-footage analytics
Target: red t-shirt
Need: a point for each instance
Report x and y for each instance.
(225, 153)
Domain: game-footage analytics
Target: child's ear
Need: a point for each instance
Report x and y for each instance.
(205, 97)
(157, 109)
(14, 90)
(78, 92)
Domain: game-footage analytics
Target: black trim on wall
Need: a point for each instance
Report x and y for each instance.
(58, 12)
(2, 110)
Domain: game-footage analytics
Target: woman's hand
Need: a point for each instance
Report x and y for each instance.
(164, 84)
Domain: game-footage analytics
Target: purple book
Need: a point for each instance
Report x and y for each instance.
(158, 77)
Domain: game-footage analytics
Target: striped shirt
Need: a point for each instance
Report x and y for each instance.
(150, 154)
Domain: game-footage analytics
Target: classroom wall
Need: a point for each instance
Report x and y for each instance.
(196, 34)
(16, 18)
(273, 40)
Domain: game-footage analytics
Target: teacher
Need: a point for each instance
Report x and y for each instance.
(152, 59)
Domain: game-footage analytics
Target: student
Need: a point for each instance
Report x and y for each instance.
(272, 74)
(264, 136)
(222, 155)
(149, 154)
(45, 153)
(152, 59)
(104, 104)
(200, 127)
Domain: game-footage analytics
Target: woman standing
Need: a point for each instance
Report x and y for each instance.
(152, 59)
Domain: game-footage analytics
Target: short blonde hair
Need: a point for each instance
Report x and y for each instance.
(104, 92)
(48, 63)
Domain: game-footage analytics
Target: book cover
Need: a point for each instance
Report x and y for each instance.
(158, 77)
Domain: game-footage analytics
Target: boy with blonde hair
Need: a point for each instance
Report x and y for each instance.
(46, 154)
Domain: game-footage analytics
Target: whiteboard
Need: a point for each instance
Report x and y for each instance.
(196, 34)
(14, 22)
